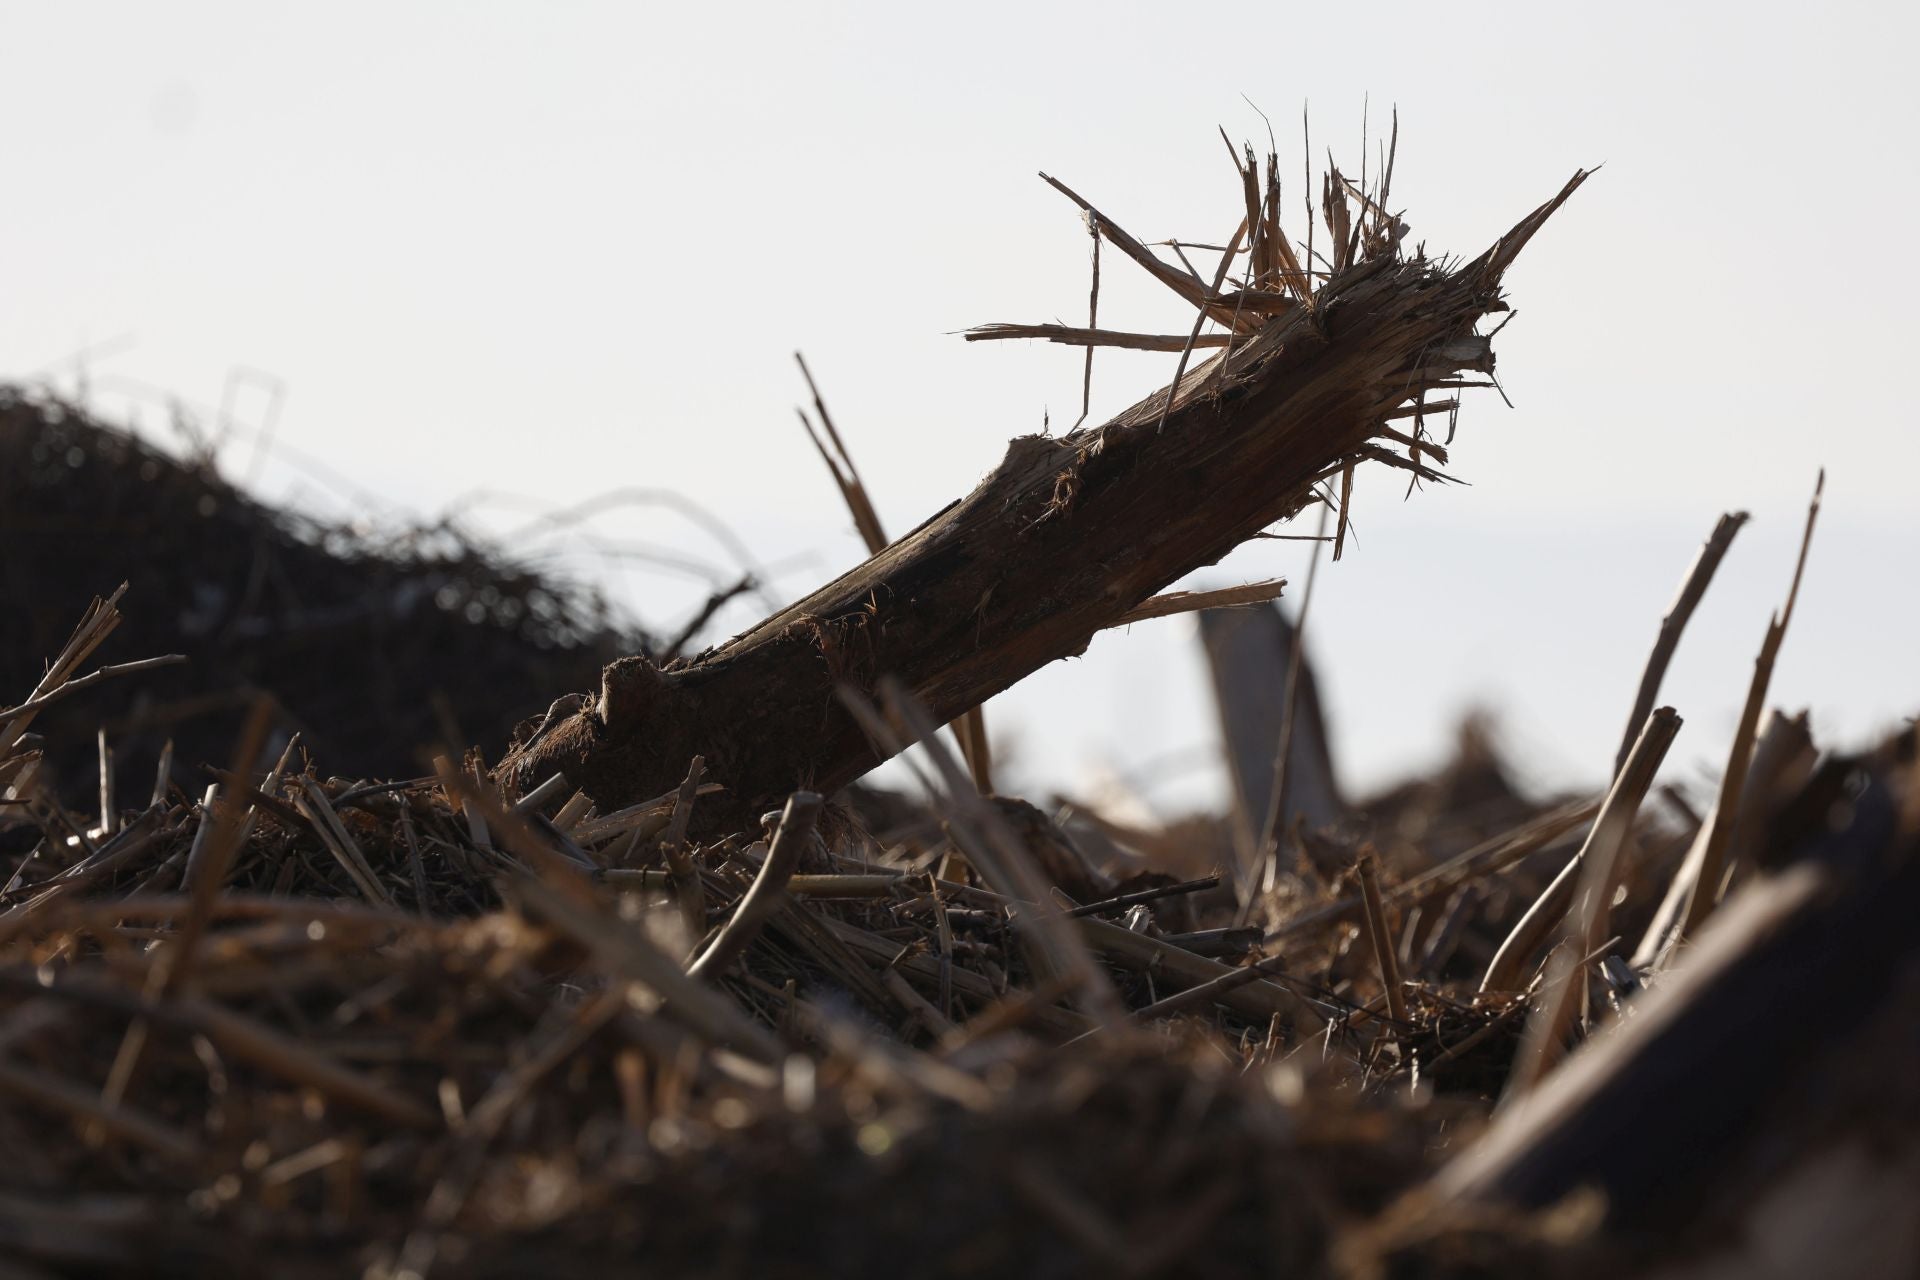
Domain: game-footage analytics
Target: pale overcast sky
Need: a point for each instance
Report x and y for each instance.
(548, 250)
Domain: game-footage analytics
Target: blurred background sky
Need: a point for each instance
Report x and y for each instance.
(501, 258)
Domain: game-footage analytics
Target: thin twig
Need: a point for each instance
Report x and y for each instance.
(969, 729)
(715, 602)
(1700, 903)
(1267, 852)
(1093, 325)
(1381, 939)
(1176, 602)
(991, 844)
(92, 678)
(764, 897)
(1067, 335)
(1199, 322)
(1146, 895)
(1484, 859)
(688, 892)
(1692, 589)
(1610, 830)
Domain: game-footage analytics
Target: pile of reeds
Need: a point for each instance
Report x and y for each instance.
(504, 1021)
(315, 1025)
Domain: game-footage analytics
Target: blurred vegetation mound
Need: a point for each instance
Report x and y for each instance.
(376, 642)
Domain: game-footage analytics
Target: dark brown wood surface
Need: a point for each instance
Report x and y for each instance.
(1061, 539)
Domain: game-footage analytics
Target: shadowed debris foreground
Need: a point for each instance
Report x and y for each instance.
(310, 1026)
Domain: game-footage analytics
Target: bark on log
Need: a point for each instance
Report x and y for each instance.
(1063, 538)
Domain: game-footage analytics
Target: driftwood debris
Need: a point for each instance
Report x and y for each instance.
(1062, 539)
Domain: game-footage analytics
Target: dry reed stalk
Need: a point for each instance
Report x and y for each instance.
(126, 845)
(454, 783)
(1585, 926)
(1380, 938)
(1784, 757)
(576, 809)
(80, 684)
(113, 1121)
(1267, 851)
(761, 900)
(1596, 857)
(993, 847)
(551, 789)
(254, 1042)
(1706, 883)
(646, 819)
(970, 729)
(1211, 991)
(1174, 602)
(162, 775)
(95, 626)
(107, 807)
(1781, 744)
(705, 614)
(620, 951)
(688, 892)
(1777, 750)
(1199, 322)
(1692, 588)
(1093, 325)
(556, 890)
(1706, 863)
(216, 845)
(559, 1037)
(1159, 893)
(1066, 335)
(1346, 498)
(313, 805)
(929, 973)
(1484, 859)
(1187, 287)
(1256, 999)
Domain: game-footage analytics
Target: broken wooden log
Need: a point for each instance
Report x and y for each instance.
(1063, 538)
